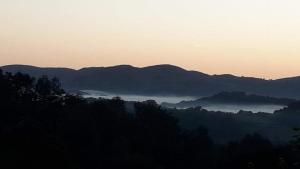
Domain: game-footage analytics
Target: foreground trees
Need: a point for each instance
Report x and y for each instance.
(43, 127)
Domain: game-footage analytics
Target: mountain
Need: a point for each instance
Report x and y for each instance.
(235, 98)
(224, 127)
(160, 80)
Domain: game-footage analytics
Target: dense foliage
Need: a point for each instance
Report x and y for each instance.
(43, 127)
(224, 127)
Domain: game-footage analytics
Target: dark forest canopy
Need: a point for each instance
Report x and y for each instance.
(161, 80)
(41, 126)
(225, 127)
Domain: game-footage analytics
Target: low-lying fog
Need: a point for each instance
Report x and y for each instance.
(236, 108)
(158, 99)
(176, 99)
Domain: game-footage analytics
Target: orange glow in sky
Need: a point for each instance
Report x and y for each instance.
(243, 37)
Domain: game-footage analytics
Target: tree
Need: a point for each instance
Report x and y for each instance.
(45, 87)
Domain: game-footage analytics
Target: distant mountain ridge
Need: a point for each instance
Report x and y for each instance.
(160, 80)
(234, 98)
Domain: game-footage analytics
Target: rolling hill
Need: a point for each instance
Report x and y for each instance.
(161, 80)
(232, 98)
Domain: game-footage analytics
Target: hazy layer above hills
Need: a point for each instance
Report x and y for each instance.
(232, 98)
(161, 80)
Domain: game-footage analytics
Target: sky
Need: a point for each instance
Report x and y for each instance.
(257, 38)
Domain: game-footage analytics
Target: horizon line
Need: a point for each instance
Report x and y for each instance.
(142, 67)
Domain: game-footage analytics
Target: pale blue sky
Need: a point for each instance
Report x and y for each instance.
(243, 37)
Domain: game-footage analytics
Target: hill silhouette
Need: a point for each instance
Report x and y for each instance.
(44, 127)
(236, 98)
(161, 80)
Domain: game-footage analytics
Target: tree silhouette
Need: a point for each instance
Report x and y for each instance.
(41, 126)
